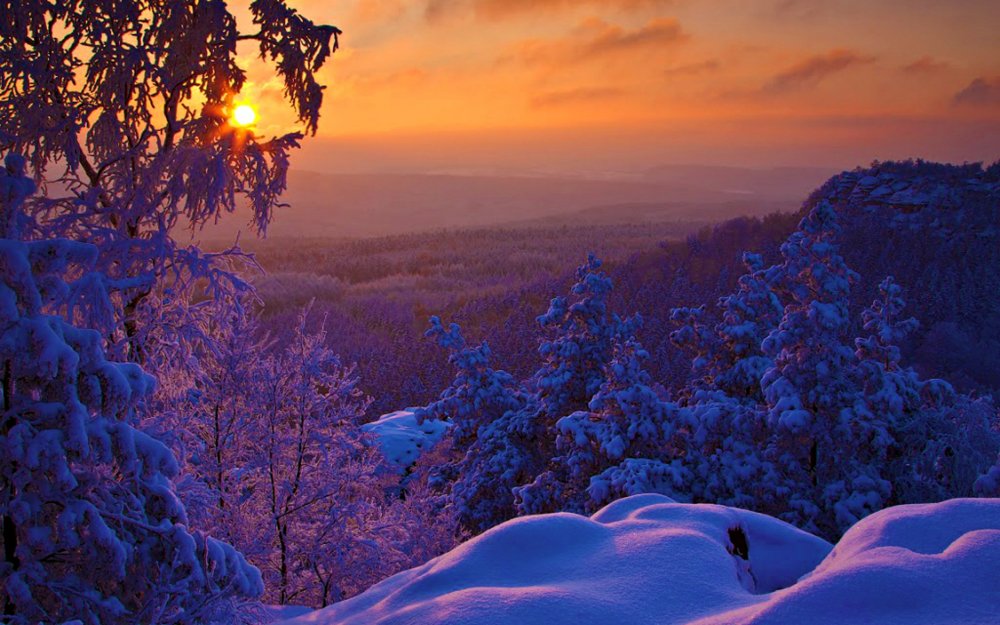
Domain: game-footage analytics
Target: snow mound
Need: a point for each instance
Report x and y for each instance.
(641, 560)
(648, 560)
(402, 439)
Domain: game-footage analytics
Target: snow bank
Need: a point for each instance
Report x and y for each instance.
(648, 560)
(908, 565)
(641, 560)
(402, 439)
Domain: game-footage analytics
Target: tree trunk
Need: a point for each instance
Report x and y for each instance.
(283, 566)
(136, 353)
(219, 471)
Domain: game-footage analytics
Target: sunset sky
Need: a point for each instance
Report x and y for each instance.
(623, 85)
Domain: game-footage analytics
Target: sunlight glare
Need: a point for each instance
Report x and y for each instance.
(244, 115)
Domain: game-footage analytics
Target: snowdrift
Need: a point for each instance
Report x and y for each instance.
(648, 560)
(401, 439)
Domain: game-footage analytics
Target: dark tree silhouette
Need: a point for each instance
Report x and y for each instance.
(123, 107)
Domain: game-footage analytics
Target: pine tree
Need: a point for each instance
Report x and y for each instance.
(580, 347)
(574, 358)
(941, 441)
(748, 316)
(478, 476)
(728, 357)
(630, 440)
(478, 394)
(827, 442)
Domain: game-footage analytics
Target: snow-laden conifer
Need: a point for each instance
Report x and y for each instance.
(93, 530)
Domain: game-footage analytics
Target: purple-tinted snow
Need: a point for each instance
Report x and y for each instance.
(647, 560)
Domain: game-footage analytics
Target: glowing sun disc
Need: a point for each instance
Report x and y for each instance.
(244, 115)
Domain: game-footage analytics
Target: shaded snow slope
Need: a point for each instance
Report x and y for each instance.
(272, 613)
(648, 560)
(402, 439)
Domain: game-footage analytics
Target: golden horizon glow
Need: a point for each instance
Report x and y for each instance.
(244, 115)
(720, 81)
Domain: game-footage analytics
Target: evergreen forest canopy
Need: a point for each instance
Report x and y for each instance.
(172, 455)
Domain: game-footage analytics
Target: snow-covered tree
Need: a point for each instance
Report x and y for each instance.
(478, 395)
(311, 461)
(946, 449)
(988, 484)
(629, 441)
(210, 418)
(273, 461)
(886, 330)
(475, 404)
(123, 106)
(748, 316)
(697, 336)
(93, 531)
(574, 357)
(334, 522)
(829, 444)
(727, 456)
(792, 417)
(582, 334)
(942, 441)
(728, 432)
(727, 356)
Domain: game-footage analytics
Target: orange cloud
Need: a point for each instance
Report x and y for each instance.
(925, 65)
(537, 65)
(595, 38)
(980, 92)
(577, 96)
(813, 70)
(694, 69)
(369, 11)
(798, 9)
(500, 9)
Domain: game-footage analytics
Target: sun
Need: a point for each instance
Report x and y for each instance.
(244, 115)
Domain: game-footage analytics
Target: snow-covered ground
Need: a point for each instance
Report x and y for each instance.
(648, 560)
(283, 612)
(402, 439)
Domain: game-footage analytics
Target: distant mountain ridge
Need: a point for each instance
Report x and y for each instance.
(366, 205)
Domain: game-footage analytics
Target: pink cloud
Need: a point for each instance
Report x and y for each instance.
(813, 70)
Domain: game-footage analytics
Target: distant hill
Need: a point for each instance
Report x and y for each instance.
(366, 205)
(775, 183)
(703, 213)
(934, 228)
